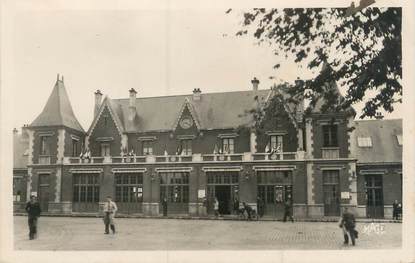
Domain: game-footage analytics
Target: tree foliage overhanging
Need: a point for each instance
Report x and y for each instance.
(362, 51)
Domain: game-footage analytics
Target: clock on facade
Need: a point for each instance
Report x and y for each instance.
(186, 123)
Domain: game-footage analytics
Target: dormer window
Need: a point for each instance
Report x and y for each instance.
(75, 147)
(105, 149)
(186, 146)
(276, 143)
(228, 145)
(147, 147)
(364, 142)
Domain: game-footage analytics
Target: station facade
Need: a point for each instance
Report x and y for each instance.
(189, 149)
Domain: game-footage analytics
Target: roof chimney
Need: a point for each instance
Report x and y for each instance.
(378, 115)
(255, 83)
(98, 98)
(15, 131)
(132, 104)
(196, 94)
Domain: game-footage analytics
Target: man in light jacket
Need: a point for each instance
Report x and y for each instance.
(110, 208)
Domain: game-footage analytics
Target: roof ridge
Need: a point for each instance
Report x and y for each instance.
(182, 95)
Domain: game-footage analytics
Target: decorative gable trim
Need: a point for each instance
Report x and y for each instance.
(274, 92)
(192, 113)
(104, 104)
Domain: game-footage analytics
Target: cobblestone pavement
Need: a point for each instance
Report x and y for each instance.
(72, 233)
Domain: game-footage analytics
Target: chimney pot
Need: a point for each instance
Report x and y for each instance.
(196, 94)
(98, 98)
(255, 83)
(133, 107)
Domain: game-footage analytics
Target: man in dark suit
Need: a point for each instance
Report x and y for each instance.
(288, 210)
(33, 212)
(348, 223)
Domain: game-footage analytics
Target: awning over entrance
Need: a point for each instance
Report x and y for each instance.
(274, 167)
(173, 169)
(129, 170)
(85, 170)
(222, 168)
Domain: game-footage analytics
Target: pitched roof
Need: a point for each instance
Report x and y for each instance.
(58, 110)
(20, 148)
(214, 110)
(383, 134)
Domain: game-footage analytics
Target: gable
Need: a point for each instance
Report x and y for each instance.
(107, 109)
(105, 125)
(187, 118)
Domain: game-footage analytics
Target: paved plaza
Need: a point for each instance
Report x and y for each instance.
(73, 233)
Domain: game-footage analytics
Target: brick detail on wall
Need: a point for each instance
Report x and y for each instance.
(309, 138)
(31, 143)
(310, 184)
(29, 183)
(253, 142)
(353, 183)
(351, 139)
(300, 139)
(58, 185)
(124, 143)
(61, 145)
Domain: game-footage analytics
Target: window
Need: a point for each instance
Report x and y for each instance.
(174, 186)
(129, 187)
(105, 149)
(186, 147)
(228, 145)
(17, 194)
(44, 145)
(364, 141)
(85, 188)
(399, 138)
(330, 177)
(223, 177)
(75, 148)
(276, 142)
(147, 147)
(330, 135)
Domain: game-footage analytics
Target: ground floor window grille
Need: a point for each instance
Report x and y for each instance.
(129, 187)
(85, 188)
(174, 186)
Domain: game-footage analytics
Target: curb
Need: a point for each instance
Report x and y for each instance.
(359, 220)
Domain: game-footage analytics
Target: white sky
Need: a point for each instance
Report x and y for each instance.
(157, 52)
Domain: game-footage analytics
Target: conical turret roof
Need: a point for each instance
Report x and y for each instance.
(58, 110)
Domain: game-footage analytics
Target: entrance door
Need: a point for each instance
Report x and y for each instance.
(223, 193)
(331, 193)
(374, 196)
(43, 192)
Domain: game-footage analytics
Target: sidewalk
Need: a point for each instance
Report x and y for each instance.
(226, 217)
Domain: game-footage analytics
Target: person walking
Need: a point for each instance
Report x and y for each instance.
(288, 210)
(110, 208)
(236, 206)
(164, 205)
(248, 210)
(33, 213)
(260, 205)
(216, 207)
(348, 224)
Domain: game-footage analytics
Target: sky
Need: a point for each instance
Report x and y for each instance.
(157, 52)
